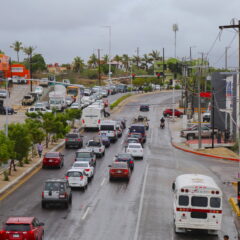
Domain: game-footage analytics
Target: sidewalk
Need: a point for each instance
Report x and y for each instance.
(220, 151)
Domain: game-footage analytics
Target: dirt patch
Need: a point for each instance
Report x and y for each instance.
(221, 151)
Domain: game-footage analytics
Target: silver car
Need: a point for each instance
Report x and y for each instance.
(3, 93)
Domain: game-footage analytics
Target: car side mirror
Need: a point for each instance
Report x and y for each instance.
(173, 186)
(109, 165)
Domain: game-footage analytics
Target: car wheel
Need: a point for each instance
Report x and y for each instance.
(110, 179)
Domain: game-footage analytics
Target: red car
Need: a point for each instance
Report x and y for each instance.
(119, 170)
(105, 102)
(169, 112)
(22, 228)
(53, 159)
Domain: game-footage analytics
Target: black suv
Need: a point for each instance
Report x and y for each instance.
(144, 108)
(56, 191)
(125, 157)
(74, 140)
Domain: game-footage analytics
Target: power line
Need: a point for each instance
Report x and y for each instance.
(214, 42)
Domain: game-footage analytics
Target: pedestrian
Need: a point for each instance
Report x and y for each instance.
(225, 237)
(39, 149)
(226, 136)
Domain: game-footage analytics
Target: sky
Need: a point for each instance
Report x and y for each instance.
(63, 29)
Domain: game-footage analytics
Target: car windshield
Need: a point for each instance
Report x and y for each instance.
(119, 165)
(27, 97)
(123, 156)
(52, 155)
(106, 127)
(17, 227)
(74, 174)
(54, 186)
(55, 101)
(2, 91)
(83, 155)
(134, 146)
(80, 165)
(72, 135)
(94, 144)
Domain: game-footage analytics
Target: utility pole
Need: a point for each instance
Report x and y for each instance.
(212, 117)
(30, 68)
(226, 57)
(137, 56)
(199, 111)
(237, 26)
(99, 68)
(163, 66)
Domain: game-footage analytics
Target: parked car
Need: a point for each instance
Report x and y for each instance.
(75, 105)
(144, 108)
(3, 93)
(86, 166)
(35, 109)
(97, 147)
(125, 157)
(169, 112)
(4, 110)
(119, 170)
(86, 155)
(77, 178)
(74, 140)
(56, 191)
(28, 100)
(53, 159)
(135, 149)
(39, 90)
(22, 228)
(192, 132)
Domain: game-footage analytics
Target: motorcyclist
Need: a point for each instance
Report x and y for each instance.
(162, 122)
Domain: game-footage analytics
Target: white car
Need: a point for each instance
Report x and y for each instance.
(77, 178)
(96, 147)
(69, 100)
(38, 109)
(135, 149)
(3, 93)
(39, 90)
(86, 166)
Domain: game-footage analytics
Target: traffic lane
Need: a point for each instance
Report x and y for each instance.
(33, 188)
(112, 210)
(165, 163)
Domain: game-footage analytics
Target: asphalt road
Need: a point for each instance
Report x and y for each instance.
(138, 210)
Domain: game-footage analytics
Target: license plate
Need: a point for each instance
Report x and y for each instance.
(119, 171)
(50, 160)
(16, 235)
(134, 151)
(71, 139)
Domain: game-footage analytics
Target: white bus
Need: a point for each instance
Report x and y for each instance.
(197, 203)
(92, 117)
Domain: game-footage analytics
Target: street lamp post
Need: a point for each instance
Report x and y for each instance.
(175, 29)
(109, 53)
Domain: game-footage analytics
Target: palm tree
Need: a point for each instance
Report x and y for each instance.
(125, 61)
(146, 61)
(137, 60)
(105, 59)
(17, 46)
(118, 59)
(93, 60)
(155, 54)
(78, 64)
(1, 52)
(29, 51)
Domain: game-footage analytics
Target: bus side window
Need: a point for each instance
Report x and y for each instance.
(173, 186)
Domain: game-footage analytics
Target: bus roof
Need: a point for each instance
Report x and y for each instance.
(195, 180)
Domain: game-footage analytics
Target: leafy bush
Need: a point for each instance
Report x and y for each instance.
(113, 105)
(177, 87)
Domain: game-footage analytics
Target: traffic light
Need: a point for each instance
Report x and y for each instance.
(133, 76)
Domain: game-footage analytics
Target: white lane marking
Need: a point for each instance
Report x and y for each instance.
(86, 213)
(103, 181)
(141, 204)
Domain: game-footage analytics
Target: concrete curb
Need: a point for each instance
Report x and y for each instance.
(204, 154)
(24, 174)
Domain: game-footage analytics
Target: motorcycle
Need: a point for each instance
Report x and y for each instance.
(162, 125)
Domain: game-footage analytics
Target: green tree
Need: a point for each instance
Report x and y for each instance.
(1, 52)
(155, 55)
(118, 59)
(125, 61)
(93, 61)
(17, 47)
(146, 60)
(38, 63)
(78, 64)
(105, 59)
(18, 133)
(136, 60)
(73, 114)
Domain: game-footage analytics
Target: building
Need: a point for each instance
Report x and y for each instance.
(56, 68)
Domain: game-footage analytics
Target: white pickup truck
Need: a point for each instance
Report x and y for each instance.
(96, 147)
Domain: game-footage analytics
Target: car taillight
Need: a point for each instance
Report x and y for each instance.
(63, 195)
(66, 177)
(42, 194)
(81, 177)
(79, 139)
(125, 171)
(131, 161)
(87, 169)
(66, 139)
(99, 121)
(100, 150)
(83, 121)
